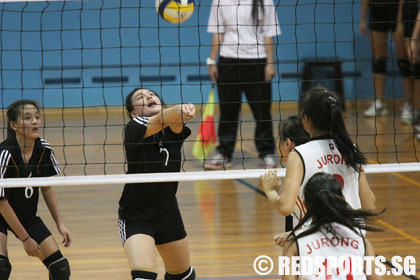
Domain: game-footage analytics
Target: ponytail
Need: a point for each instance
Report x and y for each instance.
(323, 109)
(326, 205)
(345, 146)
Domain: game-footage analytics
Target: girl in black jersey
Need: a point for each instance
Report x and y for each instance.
(22, 155)
(149, 216)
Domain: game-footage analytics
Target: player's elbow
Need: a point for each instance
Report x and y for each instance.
(285, 209)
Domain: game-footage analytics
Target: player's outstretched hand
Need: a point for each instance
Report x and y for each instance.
(66, 235)
(280, 239)
(187, 111)
(32, 248)
(269, 181)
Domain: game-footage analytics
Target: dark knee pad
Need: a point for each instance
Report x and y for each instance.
(143, 275)
(415, 70)
(379, 65)
(58, 266)
(5, 268)
(404, 66)
(187, 275)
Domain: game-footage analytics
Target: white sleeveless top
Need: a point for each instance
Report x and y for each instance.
(322, 155)
(346, 243)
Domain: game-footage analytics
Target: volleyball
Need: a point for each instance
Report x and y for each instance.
(175, 11)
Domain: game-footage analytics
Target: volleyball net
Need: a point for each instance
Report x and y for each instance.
(80, 59)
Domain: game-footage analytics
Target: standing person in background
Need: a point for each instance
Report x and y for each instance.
(149, 216)
(23, 155)
(383, 18)
(243, 39)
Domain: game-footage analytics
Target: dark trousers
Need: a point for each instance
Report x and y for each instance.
(237, 76)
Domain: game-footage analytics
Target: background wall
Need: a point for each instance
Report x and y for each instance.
(92, 53)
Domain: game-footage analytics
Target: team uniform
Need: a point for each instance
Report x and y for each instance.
(335, 241)
(24, 201)
(151, 208)
(383, 15)
(320, 154)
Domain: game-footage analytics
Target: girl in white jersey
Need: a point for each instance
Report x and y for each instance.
(334, 229)
(329, 150)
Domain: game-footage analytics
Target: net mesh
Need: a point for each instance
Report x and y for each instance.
(79, 59)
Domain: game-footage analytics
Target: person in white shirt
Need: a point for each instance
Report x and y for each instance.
(329, 150)
(335, 229)
(243, 38)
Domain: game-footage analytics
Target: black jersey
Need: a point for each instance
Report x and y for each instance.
(160, 152)
(42, 163)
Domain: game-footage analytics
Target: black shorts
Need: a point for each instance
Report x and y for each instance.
(164, 228)
(35, 227)
(409, 17)
(383, 15)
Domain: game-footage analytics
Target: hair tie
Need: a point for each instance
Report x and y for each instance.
(322, 191)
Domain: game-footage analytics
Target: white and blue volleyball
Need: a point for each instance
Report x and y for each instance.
(175, 11)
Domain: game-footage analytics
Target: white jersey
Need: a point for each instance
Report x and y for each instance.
(322, 155)
(323, 243)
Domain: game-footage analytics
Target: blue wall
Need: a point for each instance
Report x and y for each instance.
(43, 43)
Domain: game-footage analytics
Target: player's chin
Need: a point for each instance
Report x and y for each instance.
(154, 111)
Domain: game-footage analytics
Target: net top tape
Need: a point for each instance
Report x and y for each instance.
(181, 176)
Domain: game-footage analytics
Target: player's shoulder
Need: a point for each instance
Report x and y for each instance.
(139, 120)
(7, 145)
(44, 143)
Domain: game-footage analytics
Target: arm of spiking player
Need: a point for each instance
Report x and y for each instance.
(31, 246)
(51, 201)
(173, 117)
(283, 197)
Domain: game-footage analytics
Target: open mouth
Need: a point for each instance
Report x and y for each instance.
(151, 104)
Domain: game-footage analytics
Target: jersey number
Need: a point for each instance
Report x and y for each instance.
(326, 265)
(167, 155)
(341, 180)
(29, 191)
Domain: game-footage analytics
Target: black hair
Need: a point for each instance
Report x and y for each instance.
(322, 107)
(129, 102)
(14, 111)
(293, 129)
(325, 205)
(255, 5)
